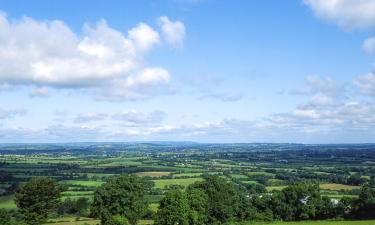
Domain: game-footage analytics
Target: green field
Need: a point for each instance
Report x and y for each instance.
(337, 187)
(6, 202)
(184, 182)
(364, 222)
(152, 174)
(82, 183)
(83, 168)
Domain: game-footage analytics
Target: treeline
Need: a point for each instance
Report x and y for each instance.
(215, 200)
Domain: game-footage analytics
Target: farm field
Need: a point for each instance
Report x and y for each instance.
(365, 222)
(262, 167)
(84, 221)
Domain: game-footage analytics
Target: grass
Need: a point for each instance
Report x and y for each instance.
(325, 222)
(7, 202)
(152, 174)
(249, 182)
(187, 175)
(184, 182)
(277, 188)
(337, 187)
(329, 186)
(73, 221)
(83, 221)
(153, 207)
(239, 176)
(86, 183)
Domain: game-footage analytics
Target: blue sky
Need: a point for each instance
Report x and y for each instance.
(187, 70)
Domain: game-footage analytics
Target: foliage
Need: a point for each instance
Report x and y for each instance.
(174, 209)
(121, 196)
(37, 198)
(77, 207)
(364, 206)
(223, 199)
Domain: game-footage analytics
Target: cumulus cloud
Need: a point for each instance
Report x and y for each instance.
(173, 31)
(50, 54)
(147, 82)
(348, 14)
(329, 109)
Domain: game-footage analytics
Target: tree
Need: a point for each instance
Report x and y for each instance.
(297, 202)
(364, 206)
(37, 198)
(82, 206)
(121, 198)
(198, 201)
(327, 209)
(6, 218)
(223, 199)
(174, 209)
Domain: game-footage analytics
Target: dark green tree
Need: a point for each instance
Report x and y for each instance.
(37, 198)
(82, 206)
(327, 209)
(198, 201)
(297, 202)
(120, 199)
(223, 199)
(174, 209)
(364, 206)
(6, 218)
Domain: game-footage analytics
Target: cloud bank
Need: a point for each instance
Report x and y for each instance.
(348, 14)
(101, 59)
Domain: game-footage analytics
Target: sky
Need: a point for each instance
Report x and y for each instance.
(298, 71)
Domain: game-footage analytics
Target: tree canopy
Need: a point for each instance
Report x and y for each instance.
(37, 198)
(121, 200)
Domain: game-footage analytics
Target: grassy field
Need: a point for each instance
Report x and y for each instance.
(184, 182)
(337, 187)
(84, 221)
(364, 222)
(7, 202)
(152, 174)
(187, 175)
(86, 183)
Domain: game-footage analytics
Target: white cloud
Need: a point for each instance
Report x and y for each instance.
(323, 91)
(173, 32)
(144, 36)
(146, 83)
(369, 45)
(50, 54)
(348, 14)
(366, 84)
